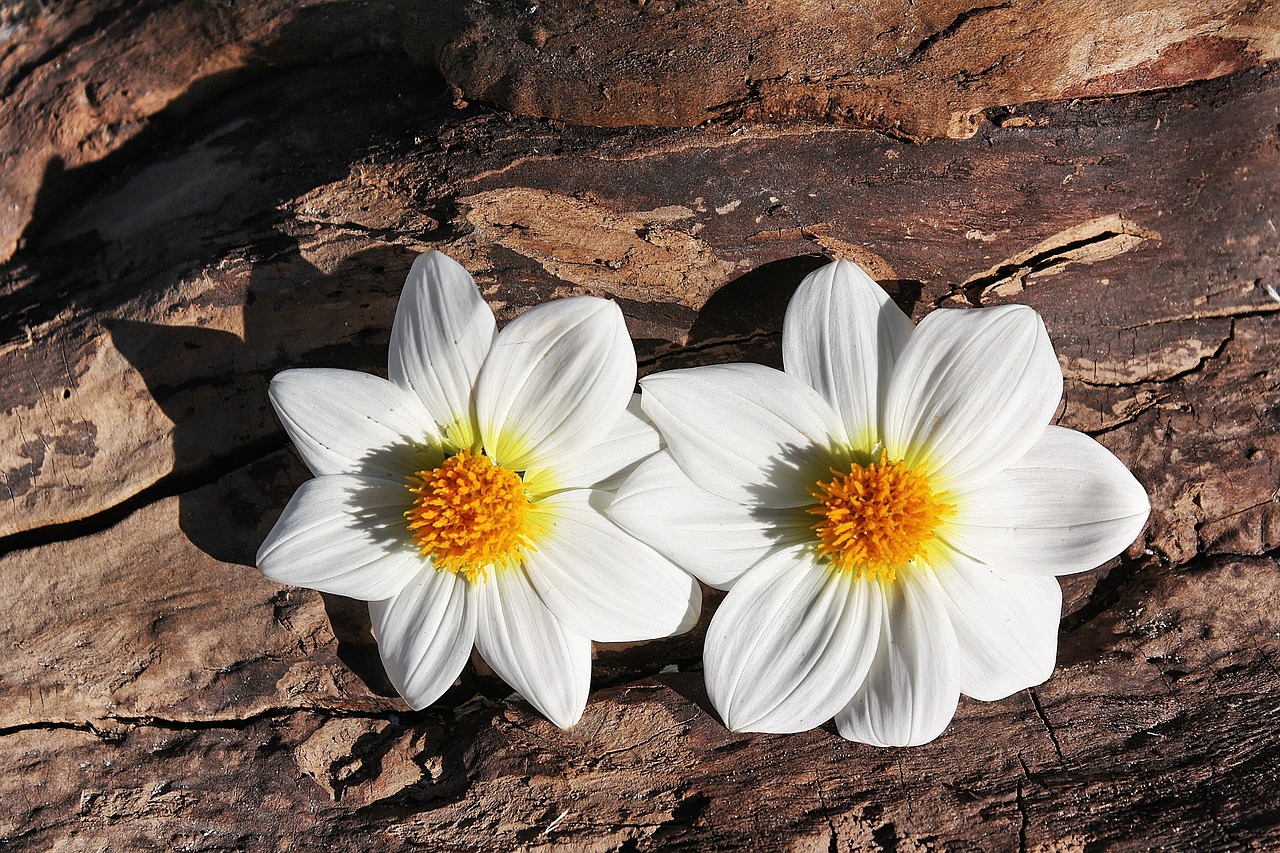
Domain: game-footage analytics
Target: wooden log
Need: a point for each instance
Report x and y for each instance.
(261, 211)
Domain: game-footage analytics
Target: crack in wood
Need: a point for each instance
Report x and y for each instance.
(1044, 720)
(1236, 312)
(664, 142)
(680, 350)
(168, 486)
(927, 44)
(676, 725)
(833, 845)
(1128, 418)
(1089, 242)
(45, 726)
(1200, 365)
(1024, 815)
(1275, 496)
(100, 726)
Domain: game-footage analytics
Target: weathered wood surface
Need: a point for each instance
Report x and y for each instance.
(253, 201)
(81, 81)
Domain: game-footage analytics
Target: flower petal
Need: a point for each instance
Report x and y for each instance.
(748, 433)
(343, 422)
(556, 381)
(790, 644)
(343, 534)
(529, 648)
(1006, 626)
(715, 539)
(425, 635)
(600, 581)
(972, 391)
(1066, 506)
(842, 335)
(604, 466)
(912, 689)
(442, 332)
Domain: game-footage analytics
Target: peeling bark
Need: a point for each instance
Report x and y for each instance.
(196, 197)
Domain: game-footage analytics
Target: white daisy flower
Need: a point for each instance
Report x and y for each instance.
(463, 498)
(887, 515)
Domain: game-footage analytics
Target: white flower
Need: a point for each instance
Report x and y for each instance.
(887, 515)
(463, 498)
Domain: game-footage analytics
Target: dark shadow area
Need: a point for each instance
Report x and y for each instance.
(692, 687)
(356, 647)
(756, 303)
(618, 664)
(742, 321)
(213, 384)
(333, 84)
(753, 303)
(443, 752)
(198, 192)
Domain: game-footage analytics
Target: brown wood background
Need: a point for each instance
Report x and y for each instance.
(195, 195)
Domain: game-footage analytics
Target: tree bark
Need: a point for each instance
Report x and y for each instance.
(197, 196)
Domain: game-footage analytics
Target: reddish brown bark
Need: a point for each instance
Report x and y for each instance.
(204, 195)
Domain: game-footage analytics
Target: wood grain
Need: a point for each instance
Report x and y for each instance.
(253, 201)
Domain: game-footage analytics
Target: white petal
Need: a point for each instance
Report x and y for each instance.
(842, 335)
(604, 466)
(715, 539)
(600, 581)
(344, 422)
(346, 535)
(748, 433)
(1066, 506)
(556, 381)
(425, 635)
(529, 648)
(972, 391)
(790, 644)
(441, 335)
(1006, 626)
(912, 689)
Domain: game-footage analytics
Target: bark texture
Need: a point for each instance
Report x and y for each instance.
(196, 196)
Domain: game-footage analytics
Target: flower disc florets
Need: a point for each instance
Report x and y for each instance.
(876, 517)
(469, 514)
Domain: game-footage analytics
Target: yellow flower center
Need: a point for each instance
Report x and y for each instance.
(469, 514)
(876, 518)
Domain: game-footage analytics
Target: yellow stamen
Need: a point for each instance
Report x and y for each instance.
(469, 514)
(876, 518)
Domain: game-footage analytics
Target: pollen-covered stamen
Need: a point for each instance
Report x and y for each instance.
(876, 517)
(469, 514)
